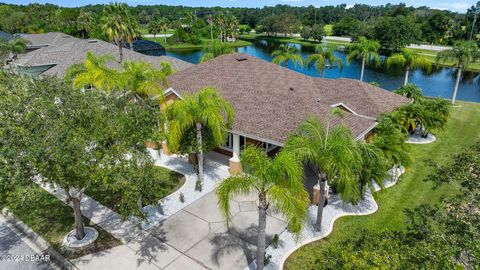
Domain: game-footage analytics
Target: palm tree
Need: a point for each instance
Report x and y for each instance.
(409, 60)
(207, 109)
(94, 73)
(85, 22)
(277, 181)
(117, 25)
(154, 28)
(164, 25)
(366, 50)
(462, 54)
(333, 153)
(14, 46)
(210, 22)
(215, 49)
(322, 58)
(233, 26)
(286, 53)
(222, 22)
(143, 80)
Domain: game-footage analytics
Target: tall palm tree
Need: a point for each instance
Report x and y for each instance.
(117, 25)
(365, 50)
(277, 181)
(286, 53)
(93, 72)
(85, 22)
(154, 28)
(334, 154)
(164, 25)
(232, 23)
(206, 109)
(215, 49)
(462, 54)
(14, 46)
(409, 60)
(322, 58)
(222, 22)
(210, 22)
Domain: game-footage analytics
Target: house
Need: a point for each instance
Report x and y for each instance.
(53, 53)
(270, 101)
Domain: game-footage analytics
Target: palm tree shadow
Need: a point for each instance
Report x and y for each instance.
(227, 242)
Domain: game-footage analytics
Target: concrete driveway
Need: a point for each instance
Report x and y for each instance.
(199, 234)
(12, 247)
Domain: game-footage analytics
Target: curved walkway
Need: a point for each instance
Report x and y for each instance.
(334, 210)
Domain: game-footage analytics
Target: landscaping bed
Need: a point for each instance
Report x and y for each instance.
(168, 182)
(463, 130)
(53, 220)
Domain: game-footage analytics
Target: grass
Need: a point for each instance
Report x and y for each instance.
(169, 180)
(463, 130)
(431, 55)
(46, 215)
(187, 46)
(296, 40)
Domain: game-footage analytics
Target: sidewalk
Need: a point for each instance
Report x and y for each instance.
(142, 249)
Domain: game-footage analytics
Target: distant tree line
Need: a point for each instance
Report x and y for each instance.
(422, 24)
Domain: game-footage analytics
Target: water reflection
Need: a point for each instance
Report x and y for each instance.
(439, 82)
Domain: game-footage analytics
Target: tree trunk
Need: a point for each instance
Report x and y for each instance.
(120, 52)
(363, 68)
(323, 72)
(200, 152)
(457, 82)
(221, 35)
(165, 37)
(79, 232)
(322, 179)
(211, 32)
(139, 202)
(262, 224)
(407, 72)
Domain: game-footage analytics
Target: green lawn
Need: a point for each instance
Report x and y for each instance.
(297, 40)
(431, 55)
(463, 130)
(187, 46)
(49, 217)
(169, 180)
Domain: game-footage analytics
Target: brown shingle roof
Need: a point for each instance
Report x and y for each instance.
(270, 101)
(64, 51)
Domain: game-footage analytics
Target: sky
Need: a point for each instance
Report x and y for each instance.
(453, 5)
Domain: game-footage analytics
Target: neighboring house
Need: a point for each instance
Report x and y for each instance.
(270, 101)
(53, 53)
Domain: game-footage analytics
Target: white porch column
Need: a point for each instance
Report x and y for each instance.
(235, 165)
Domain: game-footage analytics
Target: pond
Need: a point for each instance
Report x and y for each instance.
(438, 83)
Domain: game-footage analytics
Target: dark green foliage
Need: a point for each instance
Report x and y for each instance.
(427, 113)
(318, 32)
(410, 90)
(75, 138)
(395, 33)
(346, 27)
(306, 32)
(390, 139)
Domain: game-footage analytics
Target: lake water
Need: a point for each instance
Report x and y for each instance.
(438, 83)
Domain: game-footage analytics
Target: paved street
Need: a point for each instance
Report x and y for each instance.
(12, 245)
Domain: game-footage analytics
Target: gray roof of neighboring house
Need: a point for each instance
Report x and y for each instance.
(270, 101)
(64, 50)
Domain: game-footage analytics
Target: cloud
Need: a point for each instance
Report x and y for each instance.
(454, 6)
